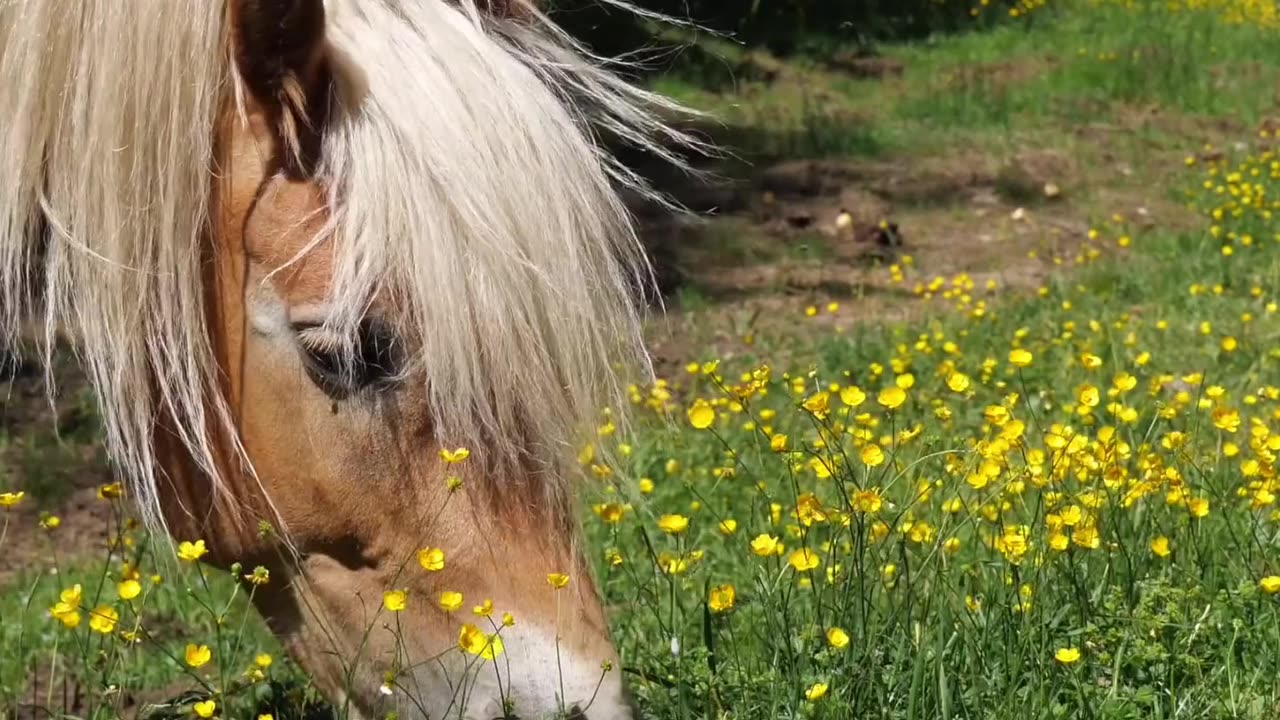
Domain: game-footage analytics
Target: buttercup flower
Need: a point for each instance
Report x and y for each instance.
(197, 655)
(673, 524)
(450, 600)
(454, 456)
(192, 551)
(837, 638)
(474, 641)
(431, 559)
(766, 545)
(804, 560)
(722, 598)
(103, 619)
(701, 414)
(395, 600)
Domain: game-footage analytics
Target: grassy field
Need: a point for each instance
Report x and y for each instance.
(1040, 486)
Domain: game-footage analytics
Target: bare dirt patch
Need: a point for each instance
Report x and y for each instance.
(798, 233)
(52, 453)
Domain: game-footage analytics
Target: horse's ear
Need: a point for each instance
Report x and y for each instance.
(279, 54)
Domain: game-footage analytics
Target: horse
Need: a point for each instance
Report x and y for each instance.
(351, 280)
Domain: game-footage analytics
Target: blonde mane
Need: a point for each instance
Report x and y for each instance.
(465, 180)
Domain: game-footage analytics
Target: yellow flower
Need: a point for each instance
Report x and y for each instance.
(10, 499)
(1199, 507)
(1090, 361)
(67, 615)
(266, 716)
(838, 638)
(67, 609)
(1014, 543)
(473, 640)
(958, 382)
(1019, 358)
(192, 551)
(262, 660)
(816, 691)
(1125, 382)
(1089, 396)
(804, 560)
(646, 485)
(766, 545)
(454, 456)
(852, 396)
(431, 559)
(673, 564)
(701, 414)
(557, 580)
(820, 468)
(1071, 515)
(673, 524)
(872, 455)
(1067, 655)
(1226, 420)
(72, 595)
(809, 510)
(129, 589)
(110, 492)
(867, 501)
(508, 619)
(892, 397)
(1270, 584)
(103, 619)
(483, 610)
(722, 598)
(198, 655)
(205, 708)
(778, 443)
(1086, 536)
(818, 405)
(1160, 546)
(259, 576)
(728, 526)
(395, 600)
(450, 600)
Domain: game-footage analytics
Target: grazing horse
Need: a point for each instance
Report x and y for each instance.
(306, 249)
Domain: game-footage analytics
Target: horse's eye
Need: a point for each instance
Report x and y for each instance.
(341, 371)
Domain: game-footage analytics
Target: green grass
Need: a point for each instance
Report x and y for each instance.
(969, 621)
(1071, 64)
(138, 662)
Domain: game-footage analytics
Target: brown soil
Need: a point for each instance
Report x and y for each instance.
(51, 452)
(778, 243)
